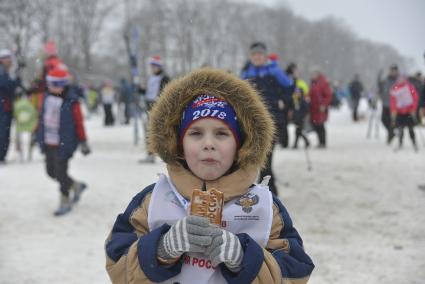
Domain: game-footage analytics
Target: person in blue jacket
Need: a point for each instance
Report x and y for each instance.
(7, 93)
(274, 86)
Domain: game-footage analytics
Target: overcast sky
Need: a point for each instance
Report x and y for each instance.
(400, 23)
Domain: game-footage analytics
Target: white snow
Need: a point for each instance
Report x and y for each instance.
(359, 210)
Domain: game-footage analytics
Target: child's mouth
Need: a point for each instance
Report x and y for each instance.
(208, 161)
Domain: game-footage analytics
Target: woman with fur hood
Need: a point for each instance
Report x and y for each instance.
(213, 130)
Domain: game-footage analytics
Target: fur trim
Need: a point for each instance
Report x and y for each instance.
(254, 119)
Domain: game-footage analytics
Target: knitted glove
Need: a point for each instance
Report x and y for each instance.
(226, 247)
(190, 234)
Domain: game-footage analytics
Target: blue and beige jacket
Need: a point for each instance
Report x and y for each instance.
(131, 246)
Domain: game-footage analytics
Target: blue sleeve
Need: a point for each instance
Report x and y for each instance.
(7, 85)
(123, 234)
(251, 263)
(281, 76)
(295, 263)
(249, 71)
(147, 255)
(245, 74)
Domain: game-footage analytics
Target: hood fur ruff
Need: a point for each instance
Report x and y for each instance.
(255, 121)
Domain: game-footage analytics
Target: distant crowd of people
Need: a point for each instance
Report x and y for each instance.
(49, 110)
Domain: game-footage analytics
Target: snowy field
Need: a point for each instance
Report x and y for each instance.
(359, 210)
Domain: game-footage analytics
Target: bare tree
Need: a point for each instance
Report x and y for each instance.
(16, 24)
(88, 18)
(44, 10)
(189, 34)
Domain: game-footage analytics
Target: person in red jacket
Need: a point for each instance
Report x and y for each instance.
(403, 104)
(320, 98)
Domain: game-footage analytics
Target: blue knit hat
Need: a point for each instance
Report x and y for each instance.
(206, 106)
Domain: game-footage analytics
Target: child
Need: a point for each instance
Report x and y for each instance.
(156, 82)
(403, 104)
(300, 104)
(59, 132)
(211, 127)
(108, 100)
(25, 116)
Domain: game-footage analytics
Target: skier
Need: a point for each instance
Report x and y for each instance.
(60, 131)
(422, 113)
(156, 82)
(320, 98)
(125, 99)
(92, 98)
(300, 105)
(418, 82)
(356, 90)
(7, 93)
(403, 105)
(273, 85)
(384, 92)
(210, 128)
(283, 118)
(107, 95)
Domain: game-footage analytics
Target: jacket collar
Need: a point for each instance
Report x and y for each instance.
(232, 185)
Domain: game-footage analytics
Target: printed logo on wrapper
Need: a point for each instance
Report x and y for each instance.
(247, 201)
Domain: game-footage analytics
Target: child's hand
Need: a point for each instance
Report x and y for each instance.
(190, 234)
(85, 149)
(225, 247)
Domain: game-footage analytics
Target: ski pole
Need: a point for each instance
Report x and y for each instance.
(370, 124)
(308, 160)
(421, 136)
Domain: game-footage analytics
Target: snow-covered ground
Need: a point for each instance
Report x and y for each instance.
(359, 210)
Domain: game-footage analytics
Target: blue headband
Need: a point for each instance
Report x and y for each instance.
(205, 106)
(58, 83)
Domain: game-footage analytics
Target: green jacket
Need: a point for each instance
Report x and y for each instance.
(25, 115)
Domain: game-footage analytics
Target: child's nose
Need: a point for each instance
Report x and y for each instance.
(208, 143)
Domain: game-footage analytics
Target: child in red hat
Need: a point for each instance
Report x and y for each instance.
(60, 131)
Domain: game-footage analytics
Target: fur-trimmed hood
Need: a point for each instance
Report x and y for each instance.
(255, 121)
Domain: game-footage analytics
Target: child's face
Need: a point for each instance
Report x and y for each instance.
(209, 148)
(56, 90)
(258, 58)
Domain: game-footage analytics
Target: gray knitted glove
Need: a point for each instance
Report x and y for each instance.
(190, 234)
(226, 247)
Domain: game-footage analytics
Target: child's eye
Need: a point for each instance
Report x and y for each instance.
(223, 133)
(194, 133)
